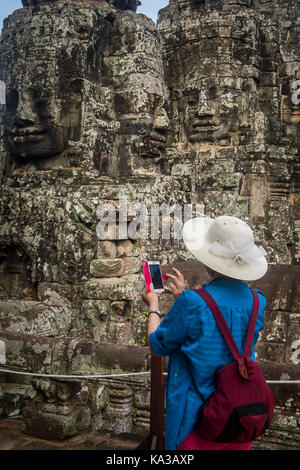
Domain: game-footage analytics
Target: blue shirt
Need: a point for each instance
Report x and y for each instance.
(190, 337)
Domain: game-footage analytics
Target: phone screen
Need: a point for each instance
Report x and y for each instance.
(156, 276)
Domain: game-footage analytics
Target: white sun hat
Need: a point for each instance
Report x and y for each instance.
(226, 245)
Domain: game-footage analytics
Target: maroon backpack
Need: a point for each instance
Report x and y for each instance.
(241, 407)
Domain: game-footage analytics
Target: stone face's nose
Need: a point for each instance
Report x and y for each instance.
(25, 113)
(205, 108)
(2, 92)
(161, 121)
(207, 103)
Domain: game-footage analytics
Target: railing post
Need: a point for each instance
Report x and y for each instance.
(157, 408)
(155, 440)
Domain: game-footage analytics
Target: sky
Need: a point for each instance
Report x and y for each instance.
(148, 7)
(151, 7)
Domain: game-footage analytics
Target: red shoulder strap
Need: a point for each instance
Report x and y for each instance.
(223, 325)
(252, 323)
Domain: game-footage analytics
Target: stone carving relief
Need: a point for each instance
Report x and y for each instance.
(52, 70)
(32, 130)
(231, 109)
(140, 92)
(213, 75)
(290, 88)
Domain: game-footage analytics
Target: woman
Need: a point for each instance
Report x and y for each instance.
(189, 334)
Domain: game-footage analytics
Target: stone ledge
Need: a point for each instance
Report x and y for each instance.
(69, 356)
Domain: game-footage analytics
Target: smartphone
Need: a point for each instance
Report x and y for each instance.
(156, 276)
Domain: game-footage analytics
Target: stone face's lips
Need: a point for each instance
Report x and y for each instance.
(158, 139)
(28, 134)
(205, 124)
(28, 138)
(28, 130)
(204, 128)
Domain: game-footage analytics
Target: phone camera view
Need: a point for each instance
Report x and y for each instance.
(156, 276)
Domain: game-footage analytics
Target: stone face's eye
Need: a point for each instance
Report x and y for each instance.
(12, 101)
(41, 104)
(212, 93)
(192, 100)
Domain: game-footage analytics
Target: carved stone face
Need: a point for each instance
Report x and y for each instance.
(210, 113)
(44, 66)
(39, 127)
(201, 109)
(143, 116)
(212, 75)
(152, 139)
(140, 90)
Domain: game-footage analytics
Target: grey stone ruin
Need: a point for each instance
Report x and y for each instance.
(104, 107)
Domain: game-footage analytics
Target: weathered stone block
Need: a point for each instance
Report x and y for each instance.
(95, 310)
(293, 339)
(126, 248)
(258, 193)
(131, 265)
(120, 406)
(107, 249)
(94, 395)
(270, 351)
(122, 309)
(114, 288)
(25, 391)
(119, 331)
(72, 355)
(40, 319)
(100, 333)
(10, 405)
(67, 295)
(107, 267)
(275, 328)
(14, 307)
(56, 422)
(13, 396)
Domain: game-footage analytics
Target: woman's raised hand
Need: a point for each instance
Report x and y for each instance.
(177, 286)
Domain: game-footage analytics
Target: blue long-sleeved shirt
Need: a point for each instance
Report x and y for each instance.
(190, 337)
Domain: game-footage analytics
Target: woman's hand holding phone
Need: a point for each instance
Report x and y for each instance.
(177, 286)
(151, 298)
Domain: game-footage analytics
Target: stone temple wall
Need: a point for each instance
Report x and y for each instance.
(104, 109)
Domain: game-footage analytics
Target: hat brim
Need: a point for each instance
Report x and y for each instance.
(196, 239)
